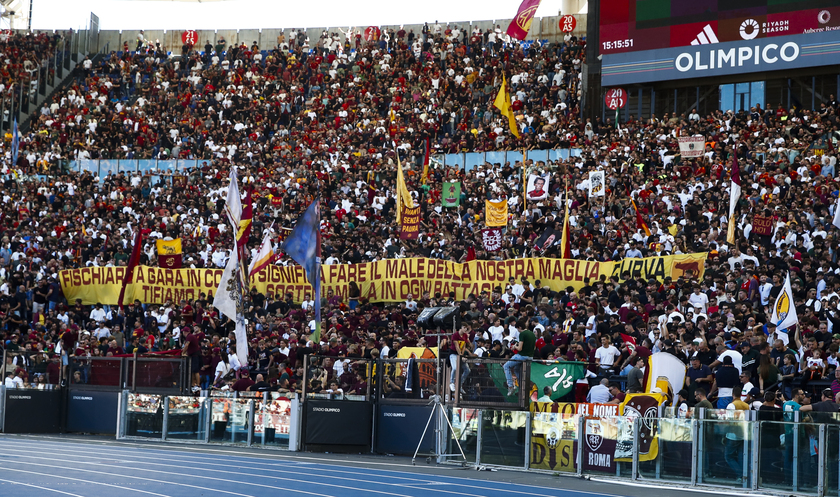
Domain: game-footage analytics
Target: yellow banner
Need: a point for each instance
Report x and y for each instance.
(382, 281)
(169, 247)
(495, 213)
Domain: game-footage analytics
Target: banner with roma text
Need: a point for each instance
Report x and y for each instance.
(389, 280)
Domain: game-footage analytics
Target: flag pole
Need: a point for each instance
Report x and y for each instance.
(524, 181)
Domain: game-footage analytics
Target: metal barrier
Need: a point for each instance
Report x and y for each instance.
(354, 378)
(406, 381)
(267, 420)
(485, 384)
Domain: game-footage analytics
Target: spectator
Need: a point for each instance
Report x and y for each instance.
(726, 379)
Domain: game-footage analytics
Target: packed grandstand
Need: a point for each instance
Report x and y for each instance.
(305, 119)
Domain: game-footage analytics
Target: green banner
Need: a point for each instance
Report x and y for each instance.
(559, 377)
(450, 196)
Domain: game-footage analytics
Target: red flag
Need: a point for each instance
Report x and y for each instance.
(521, 23)
(133, 262)
(470, 254)
(640, 222)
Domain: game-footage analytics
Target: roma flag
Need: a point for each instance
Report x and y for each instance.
(495, 213)
(403, 197)
(169, 253)
(133, 262)
(502, 103)
(784, 310)
(566, 234)
(521, 23)
(264, 255)
(640, 222)
(244, 231)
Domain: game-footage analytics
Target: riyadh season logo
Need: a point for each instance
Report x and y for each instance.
(749, 29)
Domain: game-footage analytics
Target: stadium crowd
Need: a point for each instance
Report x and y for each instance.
(306, 120)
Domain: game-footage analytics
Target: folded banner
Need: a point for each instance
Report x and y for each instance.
(492, 238)
(169, 253)
(450, 196)
(496, 213)
(410, 226)
(389, 280)
(555, 379)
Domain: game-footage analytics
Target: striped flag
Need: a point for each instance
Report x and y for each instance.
(734, 196)
(133, 262)
(264, 255)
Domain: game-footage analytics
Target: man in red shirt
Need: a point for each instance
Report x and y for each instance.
(192, 347)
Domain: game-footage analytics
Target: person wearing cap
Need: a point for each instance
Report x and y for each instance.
(826, 404)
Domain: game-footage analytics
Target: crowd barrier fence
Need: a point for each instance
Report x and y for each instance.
(793, 453)
(160, 168)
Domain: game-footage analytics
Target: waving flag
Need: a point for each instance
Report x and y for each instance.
(640, 222)
(233, 205)
(229, 301)
(304, 246)
(734, 195)
(836, 220)
(133, 262)
(784, 310)
(243, 232)
(403, 196)
(502, 103)
(521, 24)
(495, 213)
(566, 234)
(264, 255)
(427, 155)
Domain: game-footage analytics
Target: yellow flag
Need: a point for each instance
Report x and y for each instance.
(495, 213)
(169, 247)
(503, 104)
(403, 197)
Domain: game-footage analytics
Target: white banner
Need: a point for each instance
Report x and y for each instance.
(692, 146)
(596, 184)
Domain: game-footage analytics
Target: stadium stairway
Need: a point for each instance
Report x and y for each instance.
(65, 63)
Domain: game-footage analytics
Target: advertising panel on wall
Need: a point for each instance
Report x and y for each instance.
(722, 59)
(639, 25)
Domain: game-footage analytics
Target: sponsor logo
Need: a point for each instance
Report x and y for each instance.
(719, 58)
(393, 414)
(79, 397)
(20, 397)
(706, 37)
(824, 16)
(749, 29)
(326, 409)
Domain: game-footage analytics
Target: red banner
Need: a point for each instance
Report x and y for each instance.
(521, 23)
(410, 226)
(170, 261)
(762, 225)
